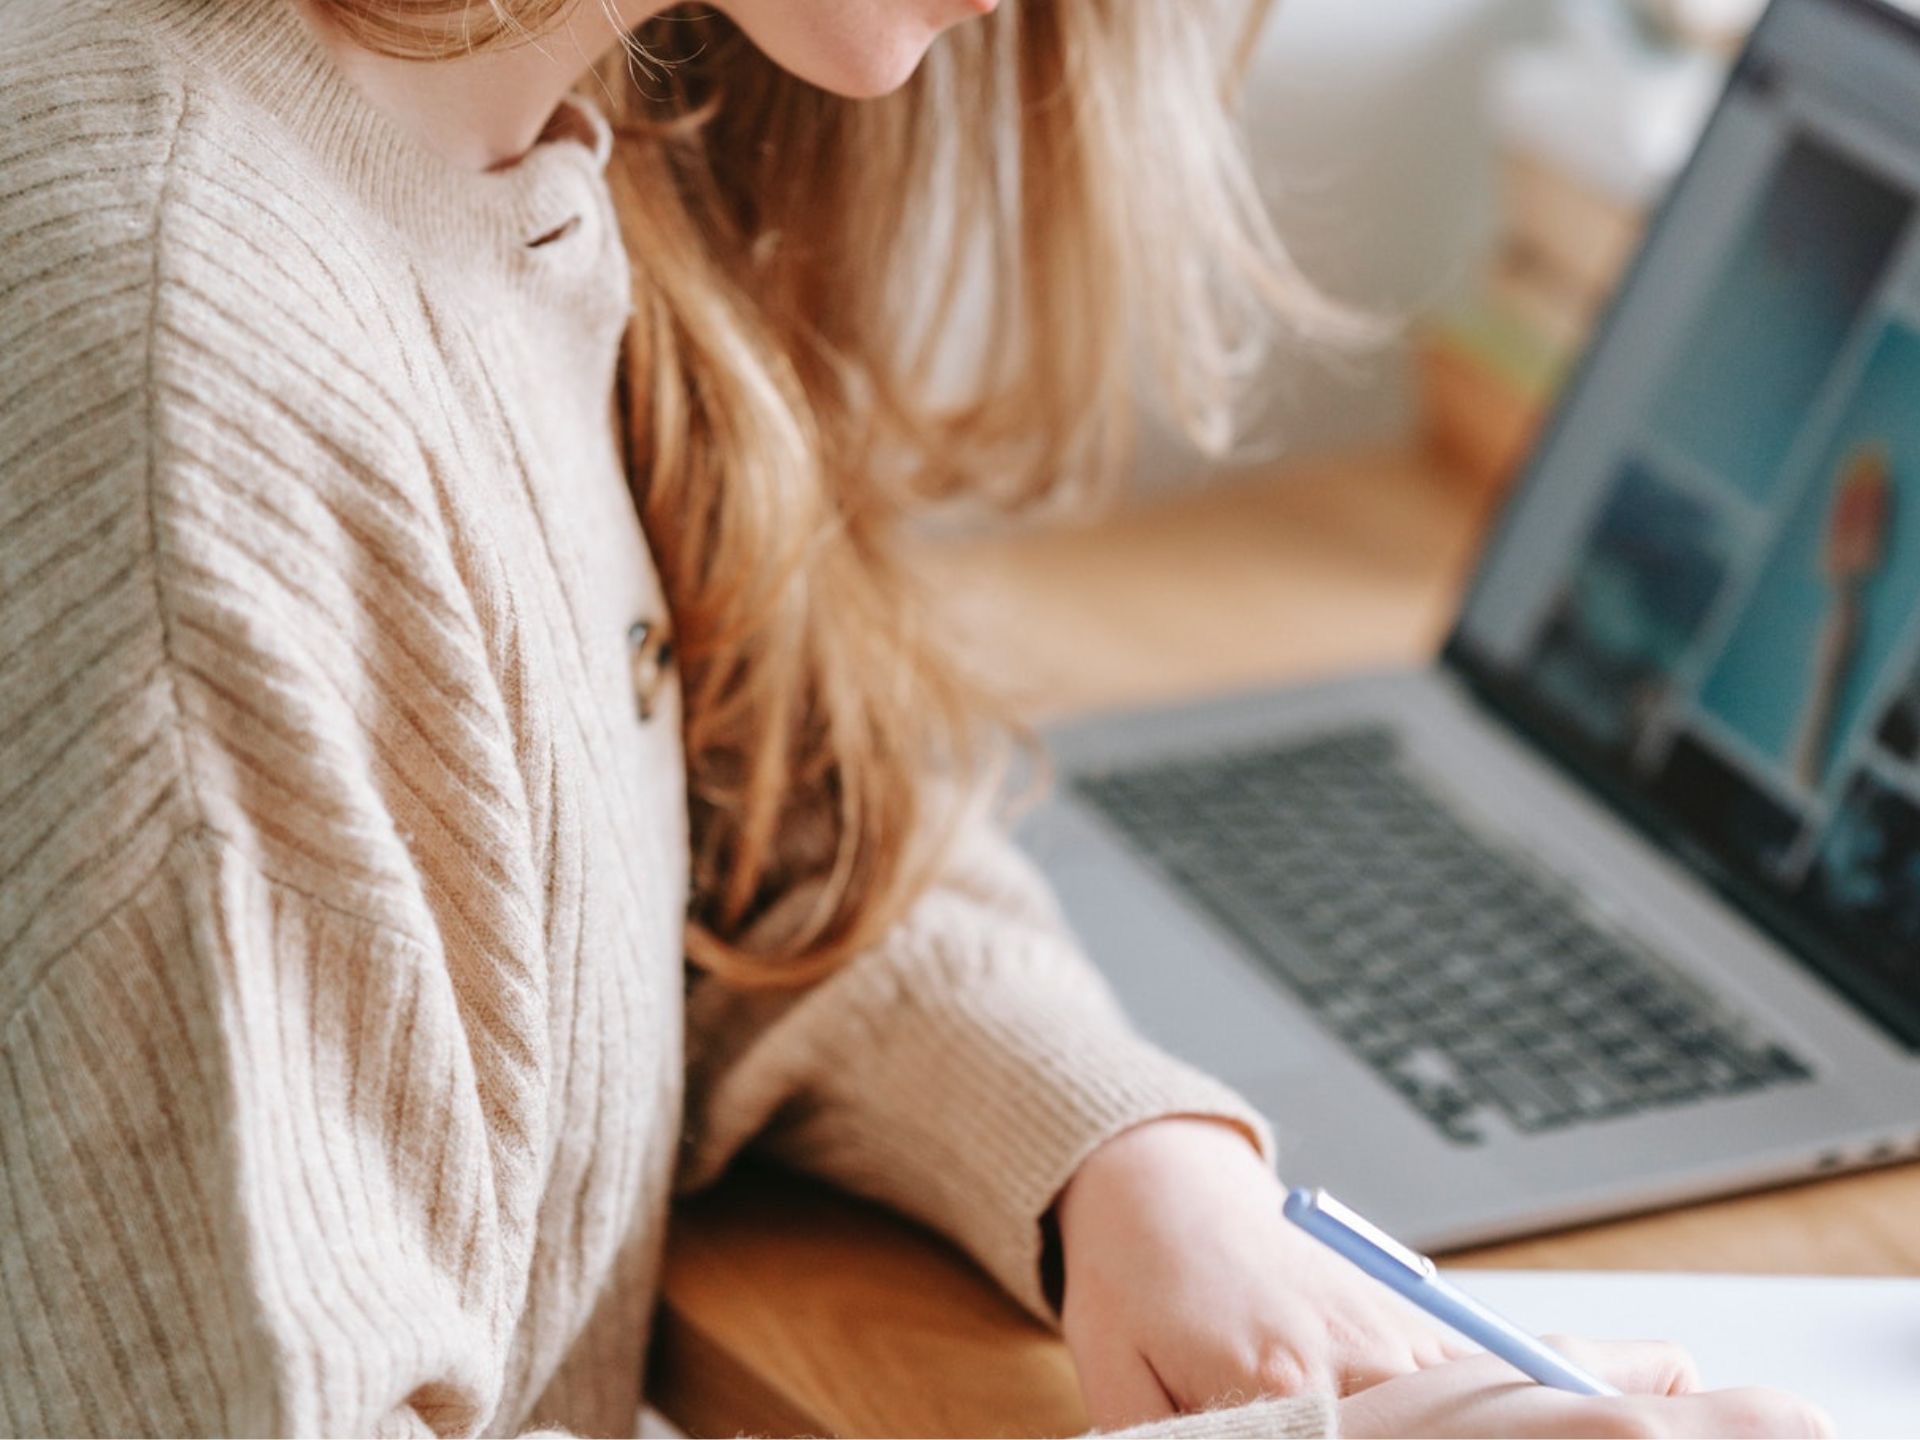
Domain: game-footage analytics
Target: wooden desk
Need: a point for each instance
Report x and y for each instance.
(791, 1310)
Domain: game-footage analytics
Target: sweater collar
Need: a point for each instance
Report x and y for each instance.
(266, 51)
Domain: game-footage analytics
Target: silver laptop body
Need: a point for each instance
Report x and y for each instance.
(1618, 905)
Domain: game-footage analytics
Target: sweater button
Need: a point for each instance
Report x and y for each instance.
(649, 662)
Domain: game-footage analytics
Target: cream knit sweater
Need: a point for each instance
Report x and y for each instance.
(347, 1056)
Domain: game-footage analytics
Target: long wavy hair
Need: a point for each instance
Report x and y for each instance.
(1060, 182)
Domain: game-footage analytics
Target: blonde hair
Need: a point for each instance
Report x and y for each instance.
(800, 261)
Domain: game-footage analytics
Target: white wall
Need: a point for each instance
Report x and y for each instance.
(1368, 130)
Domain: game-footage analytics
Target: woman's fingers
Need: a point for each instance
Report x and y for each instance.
(1635, 1367)
(1741, 1414)
(1485, 1397)
(1434, 1344)
(1376, 1365)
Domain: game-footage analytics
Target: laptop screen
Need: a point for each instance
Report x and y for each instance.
(1706, 596)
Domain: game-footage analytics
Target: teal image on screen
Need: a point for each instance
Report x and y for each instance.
(1791, 290)
(1782, 677)
(1633, 607)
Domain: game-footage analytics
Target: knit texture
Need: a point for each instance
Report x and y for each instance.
(345, 1039)
(1261, 1420)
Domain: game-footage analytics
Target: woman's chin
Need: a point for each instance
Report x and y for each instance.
(860, 49)
(878, 70)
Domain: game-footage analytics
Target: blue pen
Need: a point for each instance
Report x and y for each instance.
(1415, 1278)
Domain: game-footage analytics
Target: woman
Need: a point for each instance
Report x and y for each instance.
(428, 622)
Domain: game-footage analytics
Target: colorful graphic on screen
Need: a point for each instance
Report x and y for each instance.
(1836, 597)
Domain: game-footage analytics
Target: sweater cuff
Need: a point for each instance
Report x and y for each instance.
(1302, 1418)
(1051, 1120)
(986, 1097)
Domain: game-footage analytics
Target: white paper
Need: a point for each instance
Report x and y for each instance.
(1850, 1345)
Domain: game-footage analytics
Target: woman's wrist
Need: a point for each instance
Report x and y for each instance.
(1172, 1141)
(1151, 1166)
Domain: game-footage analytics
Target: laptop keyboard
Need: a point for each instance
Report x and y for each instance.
(1473, 982)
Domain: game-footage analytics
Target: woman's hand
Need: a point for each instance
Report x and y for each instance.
(1186, 1287)
(1483, 1396)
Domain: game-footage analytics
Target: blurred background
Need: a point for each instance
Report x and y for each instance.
(1480, 167)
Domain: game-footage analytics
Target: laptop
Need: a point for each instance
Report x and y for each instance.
(1617, 904)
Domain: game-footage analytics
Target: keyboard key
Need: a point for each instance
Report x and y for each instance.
(1475, 984)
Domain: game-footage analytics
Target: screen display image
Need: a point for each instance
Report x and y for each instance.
(1835, 598)
(1867, 877)
(1780, 313)
(1633, 608)
(1706, 598)
(1900, 727)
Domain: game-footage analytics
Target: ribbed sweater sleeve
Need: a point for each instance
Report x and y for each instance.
(960, 1072)
(270, 1137)
(246, 1184)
